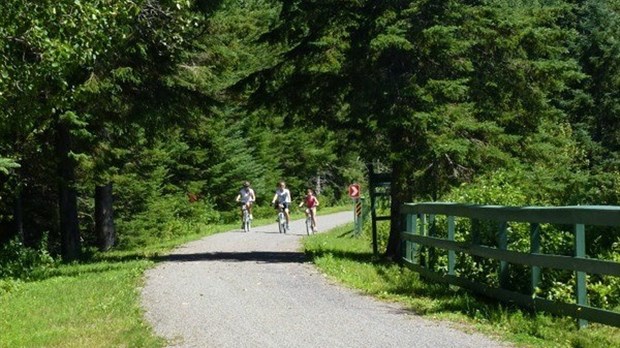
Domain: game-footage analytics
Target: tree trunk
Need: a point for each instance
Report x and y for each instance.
(104, 217)
(399, 195)
(67, 195)
(18, 215)
(401, 190)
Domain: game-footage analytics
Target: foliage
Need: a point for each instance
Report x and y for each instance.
(490, 102)
(520, 188)
(20, 262)
(438, 108)
(449, 90)
(6, 164)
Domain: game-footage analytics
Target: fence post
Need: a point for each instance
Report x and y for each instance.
(431, 232)
(423, 232)
(502, 243)
(580, 251)
(451, 253)
(535, 249)
(373, 213)
(408, 243)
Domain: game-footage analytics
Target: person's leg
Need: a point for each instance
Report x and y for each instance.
(250, 210)
(287, 215)
(313, 213)
(242, 222)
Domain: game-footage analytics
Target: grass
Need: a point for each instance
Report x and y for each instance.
(349, 260)
(88, 306)
(91, 303)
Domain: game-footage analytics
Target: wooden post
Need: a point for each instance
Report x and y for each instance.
(431, 232)
(502, 243)
(451, 253)
(580, 251)
(423, 232)
(535, 249)
(408, 244)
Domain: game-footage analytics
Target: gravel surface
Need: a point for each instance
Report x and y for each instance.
(256, 289)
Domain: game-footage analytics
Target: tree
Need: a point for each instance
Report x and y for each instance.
(448, 89)
(51, 49)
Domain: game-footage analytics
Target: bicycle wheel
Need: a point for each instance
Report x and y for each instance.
(281, 223)
(246, 220)
(308, 226)
(246, 224)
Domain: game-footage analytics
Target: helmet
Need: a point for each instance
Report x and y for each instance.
(246, 184)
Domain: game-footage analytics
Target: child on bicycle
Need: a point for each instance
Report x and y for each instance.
(283, 196)
(246, 197)
(311, 202)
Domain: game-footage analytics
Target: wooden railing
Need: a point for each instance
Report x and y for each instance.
(420, 241)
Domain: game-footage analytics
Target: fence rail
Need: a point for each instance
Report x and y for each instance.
(420, 216)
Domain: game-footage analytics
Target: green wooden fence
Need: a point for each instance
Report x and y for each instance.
(420, 218)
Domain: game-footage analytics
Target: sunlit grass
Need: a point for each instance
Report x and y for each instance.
(84, 306)
(91, 303)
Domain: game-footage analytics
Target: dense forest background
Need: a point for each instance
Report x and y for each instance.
(124, 121)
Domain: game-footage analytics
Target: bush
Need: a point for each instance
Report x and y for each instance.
(165, 218)
(20, 262)
(516, 188)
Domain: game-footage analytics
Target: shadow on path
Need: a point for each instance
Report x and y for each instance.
(253, 256)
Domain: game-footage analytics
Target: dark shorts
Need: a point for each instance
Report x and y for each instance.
(285, 205)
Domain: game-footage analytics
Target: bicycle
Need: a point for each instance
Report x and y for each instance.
(309, 227)
(247, 222)
(281, 219)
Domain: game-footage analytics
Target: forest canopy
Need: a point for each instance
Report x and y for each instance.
(123, 121)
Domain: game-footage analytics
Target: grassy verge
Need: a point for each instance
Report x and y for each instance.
(92, 303)
(82, 306)
(349, 260)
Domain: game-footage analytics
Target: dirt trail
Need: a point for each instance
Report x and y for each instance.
(256, 289)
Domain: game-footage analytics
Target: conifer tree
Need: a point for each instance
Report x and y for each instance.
(446, 89)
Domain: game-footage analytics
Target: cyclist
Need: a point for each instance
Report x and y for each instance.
(311, 202)
(247, 197)
(283, 196)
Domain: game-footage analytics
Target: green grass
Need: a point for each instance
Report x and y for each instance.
(91, 303)
(349, 260)
(88, 306)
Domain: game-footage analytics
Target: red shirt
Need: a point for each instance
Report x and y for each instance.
(311, 201)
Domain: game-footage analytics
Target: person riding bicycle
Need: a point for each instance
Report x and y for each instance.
(283, 197)
(311, 202)
(247, 197)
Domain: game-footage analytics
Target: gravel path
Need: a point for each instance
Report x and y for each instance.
(256, 289)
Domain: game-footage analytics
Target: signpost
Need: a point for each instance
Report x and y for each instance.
(354, 193)
(379, 187)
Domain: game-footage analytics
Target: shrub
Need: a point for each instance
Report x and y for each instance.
(516, 188)
(165, 218)
(20, 262)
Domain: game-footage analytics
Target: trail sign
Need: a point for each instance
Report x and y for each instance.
(354, 191)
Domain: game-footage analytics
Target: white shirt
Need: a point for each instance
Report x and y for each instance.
(247, 195)
(284, 195)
